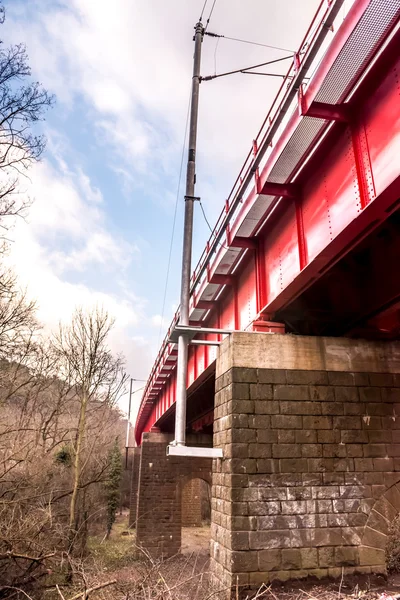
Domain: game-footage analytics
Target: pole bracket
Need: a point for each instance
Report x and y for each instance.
(191, 332)
(194, 451)
(192, 198)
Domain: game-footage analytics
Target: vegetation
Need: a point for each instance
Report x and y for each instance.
(23, 102)
(58, 397)
(393, 547)
(88, 367)
(113, 485)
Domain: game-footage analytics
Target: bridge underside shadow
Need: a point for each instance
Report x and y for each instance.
(359, 296)
(200, 406)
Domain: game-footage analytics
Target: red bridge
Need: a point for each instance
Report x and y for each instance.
(307, 244)
(309, 236)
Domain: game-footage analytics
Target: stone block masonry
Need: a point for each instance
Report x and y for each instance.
(309, 482)
(135, 461)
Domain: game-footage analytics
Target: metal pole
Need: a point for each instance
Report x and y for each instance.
(128, 425)
(180, 406)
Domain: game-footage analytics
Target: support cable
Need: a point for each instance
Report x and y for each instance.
(215, 57)
(174, 222)
(266, 74)
(209, 226)
(244, 69)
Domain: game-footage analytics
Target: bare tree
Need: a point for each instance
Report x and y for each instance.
(86, 362)
(23, 102)
(39, 420)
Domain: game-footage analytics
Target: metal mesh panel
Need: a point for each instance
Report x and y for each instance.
(295, 149)
(247, 227)
(358, 49)
(259, 207)
(197, 314)
(210, 291)
(227, 260)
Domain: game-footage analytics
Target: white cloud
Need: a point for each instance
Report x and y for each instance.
(132, 64)
(159, 321)
(66, 231)
(67, 207)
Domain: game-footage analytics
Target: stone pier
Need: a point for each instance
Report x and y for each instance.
(309, 482)
(135, 464)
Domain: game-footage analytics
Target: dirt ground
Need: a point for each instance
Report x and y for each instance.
(196, 539)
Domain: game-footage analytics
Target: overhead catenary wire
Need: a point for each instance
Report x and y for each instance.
(174, 223)
(290, 77)
(202, 10)
(210, 15)
(232, 39)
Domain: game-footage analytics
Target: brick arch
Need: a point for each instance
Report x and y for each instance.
(193, 466)
(191, 470)
(192, 495)
(375, 537)
(200, 474)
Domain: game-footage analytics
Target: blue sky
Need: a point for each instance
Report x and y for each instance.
(100, 227)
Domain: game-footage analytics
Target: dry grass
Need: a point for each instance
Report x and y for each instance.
(185, 577)
(115, 552)
(393, 547)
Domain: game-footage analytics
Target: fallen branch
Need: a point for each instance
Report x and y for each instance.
(86, 593)
(6, 555)
(60, 592)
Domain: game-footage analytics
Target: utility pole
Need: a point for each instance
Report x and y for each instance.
(183, 341)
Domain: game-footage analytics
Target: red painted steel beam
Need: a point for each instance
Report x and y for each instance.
(363, 164)
(301, 240)
(329, 112)
(170, 360)
(204, 304)
(220, 279)
(368, 220)
(242, 242)
(283, 190)
(203, 421)
(260, 277)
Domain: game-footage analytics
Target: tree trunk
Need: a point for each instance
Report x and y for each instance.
(77, 473)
